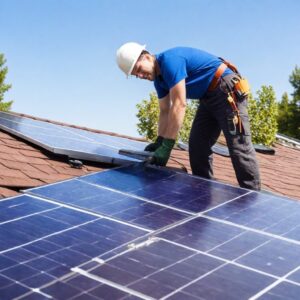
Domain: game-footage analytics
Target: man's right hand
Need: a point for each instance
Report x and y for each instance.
(153, 146)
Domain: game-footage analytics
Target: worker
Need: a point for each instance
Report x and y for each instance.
(187, 73)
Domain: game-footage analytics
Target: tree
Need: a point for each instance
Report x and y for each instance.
(263, 113)
(284, 114)
(148, 115)
(295, 82)
(4, 106)
(294, 120)
(289, 109)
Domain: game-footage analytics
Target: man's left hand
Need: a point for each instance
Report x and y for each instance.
(162, 154)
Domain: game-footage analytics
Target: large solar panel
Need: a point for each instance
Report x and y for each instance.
(207, 240)
(142, 232)
(75, 143)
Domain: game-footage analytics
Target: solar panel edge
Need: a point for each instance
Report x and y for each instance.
(70, 153)
(26, 138)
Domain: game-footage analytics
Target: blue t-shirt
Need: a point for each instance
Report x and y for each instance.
(197, 67)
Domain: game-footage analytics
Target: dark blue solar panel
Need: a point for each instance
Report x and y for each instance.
(202, 234)
(186, 274)
(44, 242)
(295, 276)
(208, 240)
(73, 142)
(169, 188)
(228, 282)
(112, 141)
(13, 291)
(284, 290)
(275, 257)
(111, 202)
(82, 287)
(273, 214)
(21, 206)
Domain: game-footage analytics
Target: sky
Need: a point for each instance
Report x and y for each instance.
(61, 54)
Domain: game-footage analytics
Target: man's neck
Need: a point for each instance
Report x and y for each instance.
(156, 67)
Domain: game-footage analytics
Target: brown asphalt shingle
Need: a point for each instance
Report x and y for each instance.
(23, 165)
(280, 173)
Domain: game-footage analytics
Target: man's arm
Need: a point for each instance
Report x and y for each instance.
(176, 110)
(164, 108)
(171, 118)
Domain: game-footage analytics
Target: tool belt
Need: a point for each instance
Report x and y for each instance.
(241, 87)
(239, 90)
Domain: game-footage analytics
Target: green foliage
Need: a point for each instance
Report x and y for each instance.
(4, 106)
(294, 120)
(263, 113)
(284, 114)
(148, 115)
(295, 82)
(289, 109)
(190, 112)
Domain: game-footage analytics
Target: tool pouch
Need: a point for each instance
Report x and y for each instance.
(242, 88)
(233, 123)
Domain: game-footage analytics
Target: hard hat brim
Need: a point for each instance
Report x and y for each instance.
(134, 62)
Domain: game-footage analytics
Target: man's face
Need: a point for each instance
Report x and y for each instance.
(144, 68)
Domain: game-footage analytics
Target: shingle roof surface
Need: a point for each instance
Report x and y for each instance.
(280, 173)
(23, 165)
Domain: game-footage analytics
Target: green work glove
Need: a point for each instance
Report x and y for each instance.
(162, 154)
(153, 146)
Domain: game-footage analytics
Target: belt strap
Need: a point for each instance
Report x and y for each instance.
(213, 84)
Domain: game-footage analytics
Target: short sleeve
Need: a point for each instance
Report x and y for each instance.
(161, 92)
(173, 70)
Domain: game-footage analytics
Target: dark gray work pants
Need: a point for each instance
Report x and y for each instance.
(211, 118)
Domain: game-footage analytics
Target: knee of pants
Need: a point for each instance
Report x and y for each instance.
(241, 145)
(202, 167)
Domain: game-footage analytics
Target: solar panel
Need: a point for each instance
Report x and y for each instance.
(176, 190)
(75, 143)
(268, 213)
(143, 232)
(113, 203)
(42, 241)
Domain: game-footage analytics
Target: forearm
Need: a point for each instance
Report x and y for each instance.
(175, 120)
(163, 123)
(172, 111)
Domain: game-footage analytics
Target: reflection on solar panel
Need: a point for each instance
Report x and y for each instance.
(75, 143)
(140, 232)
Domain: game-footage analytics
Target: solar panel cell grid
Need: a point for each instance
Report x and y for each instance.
(39, 247)
(185, 272)
(201, 240)
(271, 214)
(283, 290)
(169, 188)
(114, 203)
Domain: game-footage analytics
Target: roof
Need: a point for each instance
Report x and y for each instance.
(24, 165)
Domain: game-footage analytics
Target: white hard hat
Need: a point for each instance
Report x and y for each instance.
(127, 56)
